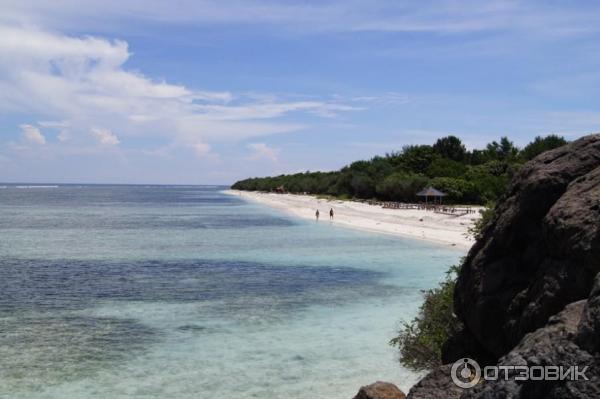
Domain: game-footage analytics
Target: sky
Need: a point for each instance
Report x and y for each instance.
(212, 91)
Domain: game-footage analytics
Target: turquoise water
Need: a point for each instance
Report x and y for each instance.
(185, 292)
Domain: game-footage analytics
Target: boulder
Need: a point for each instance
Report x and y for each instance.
(528, 292)
(380, 390)
(436, 385)
(550, 345)
(540, 252)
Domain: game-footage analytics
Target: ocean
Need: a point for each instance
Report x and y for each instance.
(186, 292)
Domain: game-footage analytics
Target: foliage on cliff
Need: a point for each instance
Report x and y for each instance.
(528, 292)
(487, 215)
(476, 176)
(420, 341)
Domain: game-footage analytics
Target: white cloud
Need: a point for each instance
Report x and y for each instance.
(389, 98)
(438, 16)
(105, 136)
(262, 151)
(53, 124)
(201, 149)
(63, 136)
(32, 135)
(80, 83)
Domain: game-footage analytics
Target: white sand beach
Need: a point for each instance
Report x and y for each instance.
(411, 223)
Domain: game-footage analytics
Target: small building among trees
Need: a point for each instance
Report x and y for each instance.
(431, 192)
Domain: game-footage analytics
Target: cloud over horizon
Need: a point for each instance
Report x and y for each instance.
(262, 151)
(32, 134)
(105, 136)
(213, 90)
(83, 82)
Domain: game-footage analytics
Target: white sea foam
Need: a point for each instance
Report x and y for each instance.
(37, 186)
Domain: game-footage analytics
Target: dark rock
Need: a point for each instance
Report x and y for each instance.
(462, 345)
(556, 344)
(380, 390)
(539, 253)
(436, 385)
(588, 336)
(550, 345)
(529, 290)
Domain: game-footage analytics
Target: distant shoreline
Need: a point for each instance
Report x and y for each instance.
(425, 225)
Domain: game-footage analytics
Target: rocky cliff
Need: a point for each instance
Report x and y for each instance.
(529, 290)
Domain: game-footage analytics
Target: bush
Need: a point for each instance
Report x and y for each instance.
(444, 167)
(487, 215)
(420, 341)
(489, 186)
(457, 190)
(362, 186)
(450, 147)
(539, 145)
(417, 158)
(401, 186)
(475, 176)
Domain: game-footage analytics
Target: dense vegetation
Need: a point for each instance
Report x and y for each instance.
(477, 176)
(420, 341)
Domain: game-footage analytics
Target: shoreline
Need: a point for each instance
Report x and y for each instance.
(419, 224)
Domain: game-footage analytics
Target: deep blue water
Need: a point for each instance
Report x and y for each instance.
(183, 291)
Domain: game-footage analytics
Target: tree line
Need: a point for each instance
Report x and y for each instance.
(478, 176)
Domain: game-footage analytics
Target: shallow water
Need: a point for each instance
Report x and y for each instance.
(184, 292)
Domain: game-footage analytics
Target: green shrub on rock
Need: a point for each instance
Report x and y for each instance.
(420, 341)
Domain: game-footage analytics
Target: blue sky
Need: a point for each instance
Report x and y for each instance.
(213, 91)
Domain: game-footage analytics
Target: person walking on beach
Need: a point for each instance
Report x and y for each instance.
(331, 214)
(317, 215)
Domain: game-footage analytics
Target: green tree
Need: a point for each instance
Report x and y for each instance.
(542, 144)
(450, 147)
(420, 341)
(480, 175)
(457, 190)
(477, 157)
(401, 186)
(488, 185)
(505, 150)
(417, 158)
(487, 214)
(362, 186)
(444, 167)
